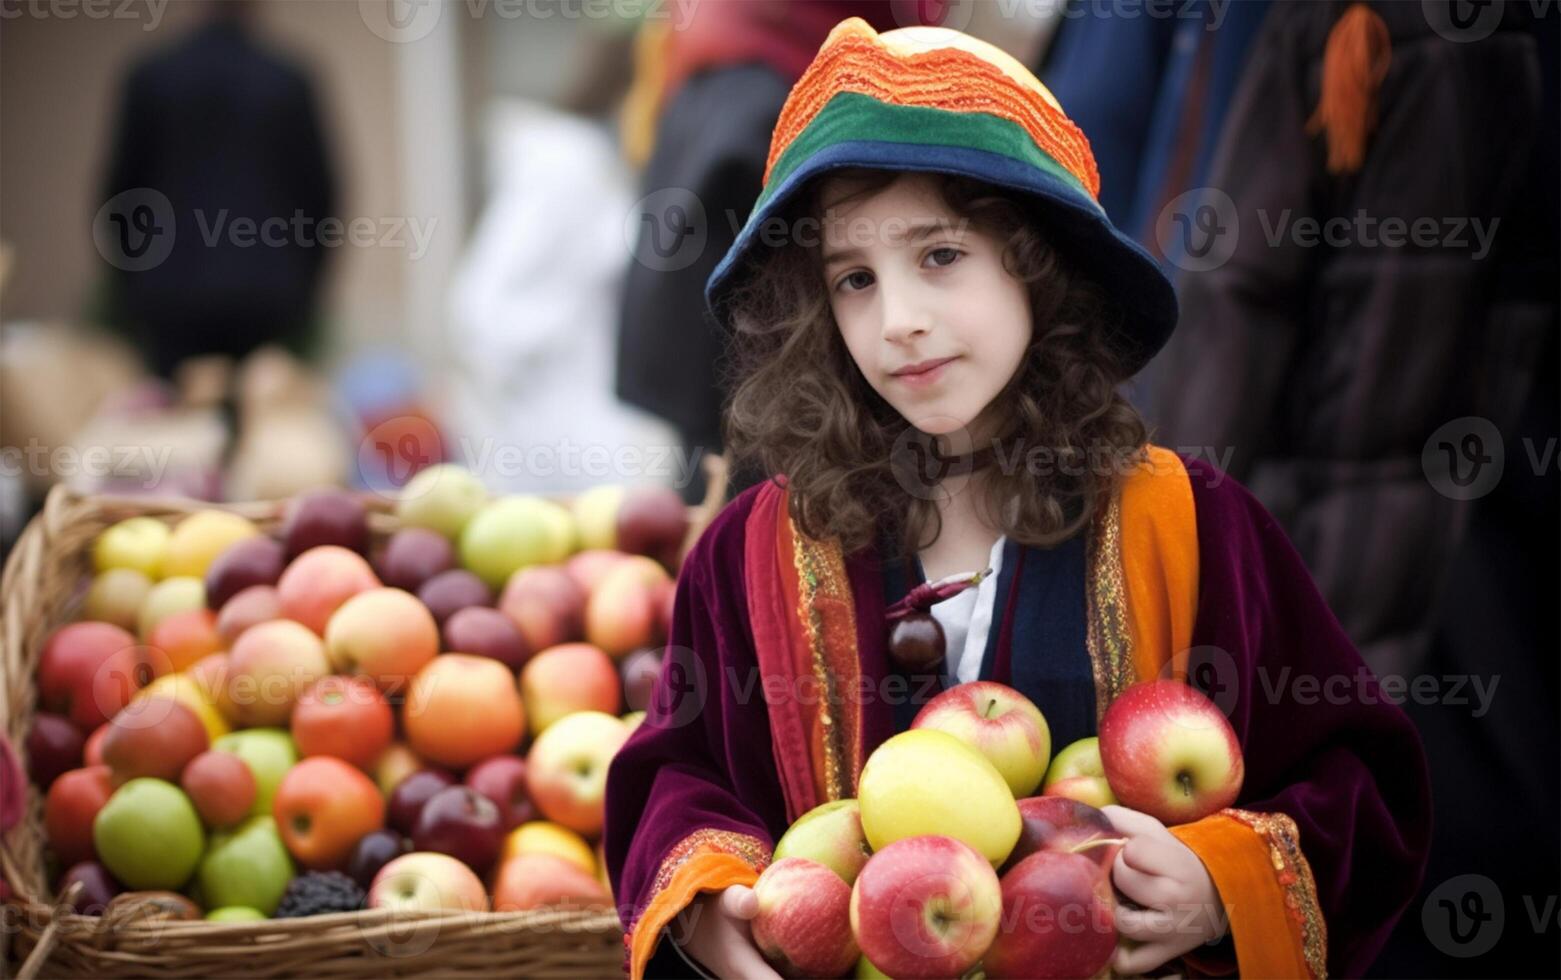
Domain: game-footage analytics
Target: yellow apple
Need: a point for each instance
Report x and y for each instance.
(924, 782)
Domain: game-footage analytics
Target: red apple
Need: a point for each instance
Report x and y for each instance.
(221, 786)
(386, 635)
(92, 752)
(1059, 919)
(323, 807)
(54, 746)
(427, 882)
(250, 562)
(502, 779)
(652, 521)
(804, 927)
(926, 907)
(566, 769)
(462, 709)
(345, 717)
(68, 811)
(588, 567)
(98, 887)
(412, 556)
(269, 667)
(449, 592)
(1000, 723)
(545, 604)
(532, 881)
(640, 670)
(84, 661)
(622, 613)
(318, 581)
(564, 679)
(410, 795)
(251, 607)
(1057, 823)
(316, 518)
(1169, 752)
(486, 633)
(155, 736)
(460, 822)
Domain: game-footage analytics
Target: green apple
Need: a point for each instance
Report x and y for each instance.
(514, 532)
(927, 782)
(137, 542)
(149, 835)
(236, 913)
(866, 971)
(596, 514)
(443, 498)
(830, 834)
(247, 866)
(269, 752)
(1077, 774)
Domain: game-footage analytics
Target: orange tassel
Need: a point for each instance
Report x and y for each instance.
(1355, 62)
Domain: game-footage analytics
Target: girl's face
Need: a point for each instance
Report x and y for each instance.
(912, 284)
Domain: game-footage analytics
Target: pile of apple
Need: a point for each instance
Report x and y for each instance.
(944, 863)
(433, 718)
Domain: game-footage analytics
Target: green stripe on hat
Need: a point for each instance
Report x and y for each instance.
(850, 115)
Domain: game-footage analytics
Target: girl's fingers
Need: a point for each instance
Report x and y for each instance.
(739, 902)
(1132, 822)
(1149, 855)
(1150, 891)
(1138, 959)
(1145, 925)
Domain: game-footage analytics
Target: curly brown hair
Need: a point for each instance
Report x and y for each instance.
(799, 406)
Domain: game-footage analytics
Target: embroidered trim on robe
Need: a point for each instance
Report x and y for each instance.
(706, 860)
(1266, 886)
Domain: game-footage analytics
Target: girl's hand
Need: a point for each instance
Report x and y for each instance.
(1181, 907)
(719, 937)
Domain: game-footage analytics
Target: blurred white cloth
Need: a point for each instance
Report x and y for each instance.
(534, 315)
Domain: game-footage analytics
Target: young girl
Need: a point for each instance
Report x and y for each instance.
(931, 316)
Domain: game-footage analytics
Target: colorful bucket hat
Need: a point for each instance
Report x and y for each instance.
(937, 100)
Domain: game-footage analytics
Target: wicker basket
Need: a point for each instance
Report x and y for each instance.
(42, 587)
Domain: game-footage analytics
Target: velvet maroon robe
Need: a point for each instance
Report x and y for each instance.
(1335, 804)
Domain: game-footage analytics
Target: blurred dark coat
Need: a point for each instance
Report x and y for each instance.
(1326, 369)
(227, 131)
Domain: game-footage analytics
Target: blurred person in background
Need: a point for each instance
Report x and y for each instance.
(1342, 376)
(705, 100)
(229, 132)
(532, 314)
